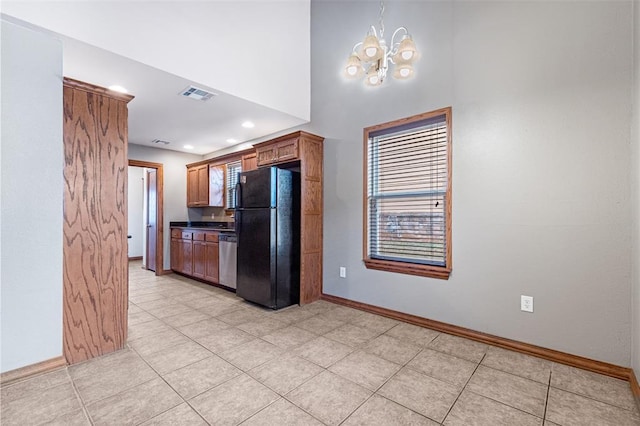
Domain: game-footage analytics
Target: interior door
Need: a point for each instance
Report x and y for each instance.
(152, 215)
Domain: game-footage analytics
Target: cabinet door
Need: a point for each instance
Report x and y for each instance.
(203, 185)
(198, 186)
(287, 150)
(216, 186)
(212, 265)
(266, 155)
(186, 260)
(192, 186)
(176, 254)
(199, 259)
(249, 162)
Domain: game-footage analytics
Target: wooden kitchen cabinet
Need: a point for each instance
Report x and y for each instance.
(198, 255)
(176, 254)
(186, 251)
(195, 253)
(211, 254)
(198, 186)
(181, 251)
(249, 162)
(275, 152)
(303, 151)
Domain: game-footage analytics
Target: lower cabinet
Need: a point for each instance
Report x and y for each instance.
(186, 247)
(199, 259)
(195, 253)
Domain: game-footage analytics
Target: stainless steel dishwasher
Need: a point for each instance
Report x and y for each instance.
(228, 259)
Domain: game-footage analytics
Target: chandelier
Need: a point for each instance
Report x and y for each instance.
(372, 57)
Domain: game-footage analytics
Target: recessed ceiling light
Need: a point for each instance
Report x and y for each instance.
(231, 140)
(188, 147)
(248, 125)
(119, 89)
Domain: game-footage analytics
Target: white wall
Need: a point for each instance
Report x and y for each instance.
(135, 206)
(635, 184)
(31, 201)
(541, 170)
(256, 50)
(175, 186)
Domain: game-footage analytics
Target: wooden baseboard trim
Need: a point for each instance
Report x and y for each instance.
(166, 272)
(22, 373)
(635, 387)
(501, 342)
(135, 258)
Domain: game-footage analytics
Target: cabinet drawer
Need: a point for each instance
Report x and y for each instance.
(211, 236)
(187, 235)
(176, 233)
(198, 236)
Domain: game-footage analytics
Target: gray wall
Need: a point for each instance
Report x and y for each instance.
(175, 185)
(635, 182)
(541, 147)
(31, 197)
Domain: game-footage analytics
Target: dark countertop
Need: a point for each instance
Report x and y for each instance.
(218, 226)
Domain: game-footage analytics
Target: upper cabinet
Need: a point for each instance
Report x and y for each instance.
(216, 186)
(283, 151)
(198, 186)
(249, 161)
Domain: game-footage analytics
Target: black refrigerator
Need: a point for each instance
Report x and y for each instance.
(267, 220)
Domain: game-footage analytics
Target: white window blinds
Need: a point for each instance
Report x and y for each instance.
(407, 190)
(232, 179)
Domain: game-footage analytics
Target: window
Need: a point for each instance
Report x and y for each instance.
(232, 179)
(408, 195)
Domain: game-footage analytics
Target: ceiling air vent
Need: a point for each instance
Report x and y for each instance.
(193, 92)
(160, 141)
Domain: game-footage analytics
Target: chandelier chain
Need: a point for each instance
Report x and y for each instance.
(381, 21)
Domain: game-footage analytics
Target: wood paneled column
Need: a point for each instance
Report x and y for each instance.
(95, 221)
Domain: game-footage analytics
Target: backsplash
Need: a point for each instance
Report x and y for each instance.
(208, 214)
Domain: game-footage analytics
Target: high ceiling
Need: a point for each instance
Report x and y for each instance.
(253, 54)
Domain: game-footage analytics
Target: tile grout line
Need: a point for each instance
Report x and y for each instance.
(464, 387)
(375, 392)
(170, 387)
(82, 403)
(546, 400)
(406, 365)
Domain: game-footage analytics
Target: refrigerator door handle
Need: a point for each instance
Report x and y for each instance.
(238, 195)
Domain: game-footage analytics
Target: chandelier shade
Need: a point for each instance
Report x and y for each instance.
(371, 50)
(354, 67)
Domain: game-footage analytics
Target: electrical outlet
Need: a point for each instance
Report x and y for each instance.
(526, 303)
(343, 272)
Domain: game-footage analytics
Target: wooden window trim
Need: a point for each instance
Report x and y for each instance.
(439, 272)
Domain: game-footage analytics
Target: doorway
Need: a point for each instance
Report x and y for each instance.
(153, 215)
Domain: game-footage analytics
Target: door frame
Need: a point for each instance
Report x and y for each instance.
(159, 209)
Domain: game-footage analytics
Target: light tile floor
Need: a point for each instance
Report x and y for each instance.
(198, 355)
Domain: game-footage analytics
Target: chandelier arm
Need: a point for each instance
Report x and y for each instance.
(355, 47)
(394, 45)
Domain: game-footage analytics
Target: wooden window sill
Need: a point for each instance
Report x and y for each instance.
(408, 268)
